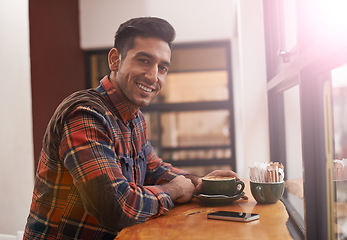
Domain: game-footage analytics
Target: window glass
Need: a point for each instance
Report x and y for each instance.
(294, 165)
(339, 95)
(194, 128)
(98, 68)
(195, 87)
(199, 57)
(190, 128)
(192, 138)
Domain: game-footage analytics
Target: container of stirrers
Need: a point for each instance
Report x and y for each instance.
(267, 181)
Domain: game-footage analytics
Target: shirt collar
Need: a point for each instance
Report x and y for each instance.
(118, 104)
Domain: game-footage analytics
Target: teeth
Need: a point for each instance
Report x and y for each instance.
(144, 88)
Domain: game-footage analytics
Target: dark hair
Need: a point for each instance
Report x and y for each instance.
(143, 27)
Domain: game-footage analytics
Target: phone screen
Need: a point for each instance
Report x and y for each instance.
(233, 216)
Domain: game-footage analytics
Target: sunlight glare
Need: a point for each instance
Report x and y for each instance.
(332, 17)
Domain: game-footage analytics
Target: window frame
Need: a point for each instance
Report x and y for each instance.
(309, 68)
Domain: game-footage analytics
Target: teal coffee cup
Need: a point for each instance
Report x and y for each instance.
(217, 185)
(267, 192)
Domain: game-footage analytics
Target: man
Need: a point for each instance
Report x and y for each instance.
(98, 173)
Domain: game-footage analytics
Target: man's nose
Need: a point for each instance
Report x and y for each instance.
(152, 74)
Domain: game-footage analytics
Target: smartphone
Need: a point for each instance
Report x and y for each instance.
(233, 216)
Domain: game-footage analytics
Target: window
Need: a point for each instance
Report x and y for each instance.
(285, 109)
(339, 109)
(305, 92)
(292, 134)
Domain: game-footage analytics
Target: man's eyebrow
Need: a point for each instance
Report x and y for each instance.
(145, 54)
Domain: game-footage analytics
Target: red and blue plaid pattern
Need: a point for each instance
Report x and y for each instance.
(107, 176)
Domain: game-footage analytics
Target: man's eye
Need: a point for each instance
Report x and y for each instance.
(143, 60)
(163, 68)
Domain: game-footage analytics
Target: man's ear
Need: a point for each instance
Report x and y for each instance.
(113, 59)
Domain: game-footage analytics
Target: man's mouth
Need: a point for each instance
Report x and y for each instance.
(146, 89)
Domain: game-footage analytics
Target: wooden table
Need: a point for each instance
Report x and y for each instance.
(189, 221)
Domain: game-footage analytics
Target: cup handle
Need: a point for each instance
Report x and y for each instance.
(260, 193)
(242, 187)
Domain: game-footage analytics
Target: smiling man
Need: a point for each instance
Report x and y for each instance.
(98, 172)
(141, 74)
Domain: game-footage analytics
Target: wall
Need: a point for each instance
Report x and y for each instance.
(251, 111)
(16, 146)
(194, 20)
(240, 21)
(57, 62)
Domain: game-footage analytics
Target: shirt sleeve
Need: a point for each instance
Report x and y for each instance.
(158, 171)
(87, 149)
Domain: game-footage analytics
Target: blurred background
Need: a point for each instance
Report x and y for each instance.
(246, 85)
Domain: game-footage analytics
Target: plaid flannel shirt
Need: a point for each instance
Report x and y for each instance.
(97, 171)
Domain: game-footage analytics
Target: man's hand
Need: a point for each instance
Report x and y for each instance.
(180, 189)
(223, 173)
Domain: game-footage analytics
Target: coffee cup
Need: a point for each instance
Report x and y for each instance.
(269, 192)
(218, 185)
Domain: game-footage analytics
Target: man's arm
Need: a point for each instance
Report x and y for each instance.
(87, 149)
(158, 171)
(180, 188)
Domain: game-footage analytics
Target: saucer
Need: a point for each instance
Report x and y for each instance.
(218, 199)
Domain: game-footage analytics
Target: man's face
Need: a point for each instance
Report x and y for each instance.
(142, 73)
